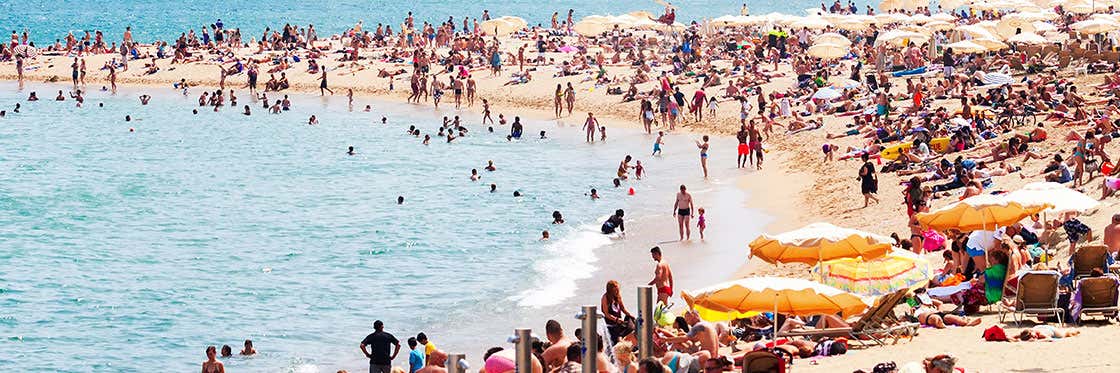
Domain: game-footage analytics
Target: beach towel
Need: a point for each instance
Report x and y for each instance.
(920, 70)
(996, 79)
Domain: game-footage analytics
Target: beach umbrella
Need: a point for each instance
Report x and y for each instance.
(990, 44)
(920, 18)
(852, 24)
(26, 51)
(1028, 38)
(1043, 27)
(812, 23)
(827, 93)
(502, 26)
(1058, 197)
(592, 27)
(832, 38)
(952, 4)
(840, 82)
(1008, 27)
(901, 37)
(899, 269)
(944, 17)
(818, 242)
(827, 51)
(796, 297)
(976, 32)
(888, 18)
(939, 25)
(966, 47)
(985, 211)
(888, 5)
(1094, 26)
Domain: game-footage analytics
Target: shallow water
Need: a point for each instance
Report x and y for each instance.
(126, 251)
(165, 20)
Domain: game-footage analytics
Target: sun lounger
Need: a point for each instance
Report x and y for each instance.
(1037, 295)
(1099, 296)
(1087, 258)
(876, 322)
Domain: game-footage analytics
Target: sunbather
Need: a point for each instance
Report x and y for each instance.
(1046, 332)
(928, 312)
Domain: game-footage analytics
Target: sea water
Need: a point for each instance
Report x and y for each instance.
(165, 20)
(131, 251)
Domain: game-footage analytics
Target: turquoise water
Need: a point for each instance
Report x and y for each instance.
(162, 19)
(127, 252)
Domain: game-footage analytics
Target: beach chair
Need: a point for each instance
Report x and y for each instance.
(877, 322)
(1099, 296)
(763, 361)
(1087, 258)
(1037, 295)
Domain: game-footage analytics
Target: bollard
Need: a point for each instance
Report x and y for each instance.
(590, 317)
(456, 363)
(645, 322)
(523, 345)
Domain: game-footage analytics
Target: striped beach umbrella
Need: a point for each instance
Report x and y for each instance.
(899, 269)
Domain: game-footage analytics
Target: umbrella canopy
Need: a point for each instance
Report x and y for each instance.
(952, 4)
(1028, 38)
(832, 38)
(899, 269)
(945, 17)
(1041, 27)
(827, 51)
(812, 23)
(939, 25)
(25, 51)
(827, 93)
(990, 44)
(734, 299)
(502, 25)
(980, 212)
(901, 37)
(966, 47)
(1059, 197)
(819, 242)
(976, 32)
(1008, 27)
(888, 5)
(1094, 26)
(851, 24)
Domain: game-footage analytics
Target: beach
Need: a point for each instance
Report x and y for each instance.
(507, 277)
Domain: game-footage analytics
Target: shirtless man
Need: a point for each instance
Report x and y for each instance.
(556, 353)
(1112, 235)
(662, 276)
(756, 146)
(435, 363)
(702, 333)
(682, 209)
(624, 167)
(744, 149)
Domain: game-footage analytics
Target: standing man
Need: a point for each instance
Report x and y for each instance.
(682, 209)
(380, 360)
(744, 149)
(662, 276)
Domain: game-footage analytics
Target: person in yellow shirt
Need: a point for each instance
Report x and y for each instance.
(428, 345)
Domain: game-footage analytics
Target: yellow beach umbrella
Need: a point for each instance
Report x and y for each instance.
(898, 269)
(827, 51)
(1058, 197)
(737, 299)
(819, 242)
(982, 212)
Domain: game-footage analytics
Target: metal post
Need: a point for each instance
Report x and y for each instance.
(645, 322)
(456, 363)
(523, 346)
(590, 317)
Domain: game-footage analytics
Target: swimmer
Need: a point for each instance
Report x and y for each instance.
(367, 109)
(490, 129)
(493, 188)
(544, 236)
(195, 111)
(427, 139)
(383, 120)
(350, 151)
(127, 118)
(490, 166)
(617, 183)
(474, 175)
(247, 112)
(312, 121)
(557, 218)
(248, 350)
(100, 104)
(33, 97)
(16, 110)
(543, 136)
(400, 200)
(517, 193)
(594, 194)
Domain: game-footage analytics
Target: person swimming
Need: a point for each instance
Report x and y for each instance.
(400, 200)
(543, 136)
(594, 194)
(517, 193)
(474, 175)
(350, 151)
(493, 188)
(490, 166)
(516, 128)
(614, 223)
(557, 218)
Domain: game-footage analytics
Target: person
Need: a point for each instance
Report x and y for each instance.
(869, 183)
(591, 124)
(624, 358)
(1045, 332)
(350, 151)
(323, 84)
(212, 365)
(700, 222)
(651, 365)
(574, 359)
(516, 128)
(312, 121)
(620, 323)
(614, 223)
(703, 146)
(248, 350)
(624, 167)
(227, 351)
(435, 361)
(1112, 235)
(662, 276)
(702, 333)
(682, 210)
(544, 235)
(490, 166)
(416, 356)
(556, 353)
(474, 174)
(657, 143)
(594, 194)
(380, 359)
(400, 200)
(744, 148)
(429, 347)
(557, 218)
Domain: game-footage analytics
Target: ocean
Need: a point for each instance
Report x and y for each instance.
(132, 251)
(48, 20)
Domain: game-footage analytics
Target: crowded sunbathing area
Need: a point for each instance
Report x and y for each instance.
(938, 175)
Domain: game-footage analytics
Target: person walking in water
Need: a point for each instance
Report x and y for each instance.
(590, 125)
(703, 146)
(380, 359)
(662, 276)
(682, 209)
(323, 84)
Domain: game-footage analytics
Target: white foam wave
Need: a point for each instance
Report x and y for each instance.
(564, 262)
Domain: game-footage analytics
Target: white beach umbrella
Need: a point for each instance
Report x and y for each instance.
(827, 51)
(966, 47)
(812, 23)
(945, 17)
(976, 32)
(1041, 27)
(1094, 26)
(1011, 26)
(900, 37)
(1056, 37)
(827, 93)
(940, 25)
(1028, 38)
(920, 18)
(888, 18)
(888, 5)
(990, 44)
(952, 4)
(1060, 197)
(852, 24)
(502, 25)
(832, 38)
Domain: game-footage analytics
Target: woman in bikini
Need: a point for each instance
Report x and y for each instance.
(557, 104)
(703, 146)
(212, 365)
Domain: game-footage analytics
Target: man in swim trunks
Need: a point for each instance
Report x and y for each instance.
(682, 209)
(662, 276)
(755, 146)
(744, 149)
(657, 143)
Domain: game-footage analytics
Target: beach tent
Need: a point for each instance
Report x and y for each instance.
(502, 26)
(899, 269)
(1028, 38)
(740, 298)
(827, 51)
(1058, 197)
(819, 242)
(982, 212)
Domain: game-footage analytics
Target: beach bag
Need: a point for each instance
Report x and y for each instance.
(933, 241)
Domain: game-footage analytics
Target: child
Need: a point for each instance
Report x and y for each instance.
(701, 223)
(594, 194)
(657, 143)
(602, 133)
(713, 104)
(415, 356)
(639, 170)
